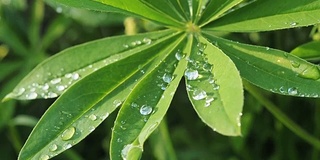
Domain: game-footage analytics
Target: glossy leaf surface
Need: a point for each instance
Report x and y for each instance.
(266, 15)
(273, 70)
(146, 106)
(309, 51)
(53, 76)
(214, 87)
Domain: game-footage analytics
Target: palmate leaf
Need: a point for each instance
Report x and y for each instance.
(271, 69)
(266, 15)
(144, 109)
(53, 76)
(88, 102)
(214, 87)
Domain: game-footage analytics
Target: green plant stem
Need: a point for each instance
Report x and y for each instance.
(286, 121)
(15, 138)
(161, 143)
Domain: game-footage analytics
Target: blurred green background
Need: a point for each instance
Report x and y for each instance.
(31, 31)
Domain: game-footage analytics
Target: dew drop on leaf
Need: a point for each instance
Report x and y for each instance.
(52, 95)
(191, 74)
(179, 55)
(44, 157)
(202, 46)
(293, 23)
(292, 91)
(53, 147)
(67, 146)
(75, 76)
(310, 73)
(147, 41)
(145, 110)
(60, 87)
(32, 95)
(93, 117)
(68, 133)
(55, 81)
(91, 128)
(282, 90)
(167, 77)
(295, 64)
(199, 94)
(45, 87)
(117, 103)
(59, 10)
(20, 91)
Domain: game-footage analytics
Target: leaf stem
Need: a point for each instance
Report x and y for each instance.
(286, 121)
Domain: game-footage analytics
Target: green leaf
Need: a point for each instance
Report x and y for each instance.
(266, 15)
(271, 69)
(146, 106)
(139, 7)
(212, 10)
(87, 103)
(309, 51)
(53, 76)
(214, 87)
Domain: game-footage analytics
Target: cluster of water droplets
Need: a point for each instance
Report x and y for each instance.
(199, 70)
(144, 41)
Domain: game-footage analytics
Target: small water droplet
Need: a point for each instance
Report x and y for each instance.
(75, 76)
(52, 95)
(104, 116)
(215, 86)
(293, 23)
(53, 148)
(147, 41)
(67, 146)
(68, 133)
(293, 91)
(32, 95)
(145, 110)
(179, 55)
(20, 91)
(191, 74)
(60, 87)
(282, 89)
(134, 105)
(207, 67)
(44, 157)
(59, 10)
(202, 46)
(199, 94)
(68, 75)
(93, 117)
(126, 46)
(167, 77)
(295, 64)
(55, 81)
(45, 87)
(117, 103)
(119, 140)
(91, 128)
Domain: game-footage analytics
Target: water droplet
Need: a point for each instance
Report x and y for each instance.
(91, 129)
(293, 91)
(239, 124)
(75, 76)
(134, 105)
(32, 95)
(20, 91)
(145, 110)
(282, 89)
(104, 116)
(93, 117)
(179, 55)
(126, 46)
(53, 148)
(293, 23)
(44, 157)
(312, 72)
(55, 81)
(59, 10)
(199, 94)
(67, 146)
(167, 77)
(191, 74)
(119, 140)
(295, 64)
(207, 67)
(60, 87)
(45, 87)
(215, 86)
(147, 41)
(117, 103)
(68, 133)
(202, 46)
(209, 99)
(52, 95)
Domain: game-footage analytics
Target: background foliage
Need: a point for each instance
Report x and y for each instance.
(30, 31)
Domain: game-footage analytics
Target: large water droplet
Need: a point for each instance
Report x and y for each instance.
(147, 41)
(53, 147)
(60, 87)
(312, 72)
(191, 74)
(167, 77)
(199, 94)
(68, 133)
(293, 91)
(75, 76)
(179, 55)
(145, 110)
